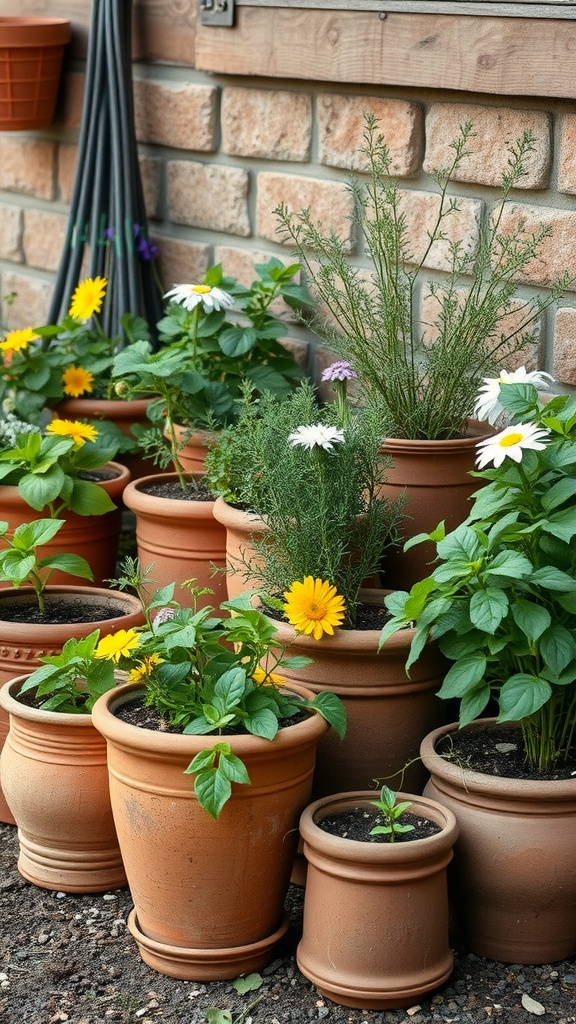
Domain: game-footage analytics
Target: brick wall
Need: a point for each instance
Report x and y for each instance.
(219, 154)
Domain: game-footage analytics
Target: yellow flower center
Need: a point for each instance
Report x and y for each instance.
(509, 440)
(200, 289)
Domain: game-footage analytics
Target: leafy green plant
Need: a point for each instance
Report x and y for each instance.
(502, 598)
(19, 561)
(425, 386)
(391, 812)
(73, 680)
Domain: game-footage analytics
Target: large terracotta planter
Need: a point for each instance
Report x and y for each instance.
(124, 414)
(55, 780)
(193, 453)
(433, 475)
(182, 539)
(240, 527)
(208, 895)
(375, 932)
(23, 643)
(512, 882)
(31, 52)
(95, 538)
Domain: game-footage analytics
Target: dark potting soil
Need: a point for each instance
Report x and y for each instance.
(196, 490)
(358, 822)
(135, 712)
(60, 610)
(498, 751)
(98, 475)
(368, 616)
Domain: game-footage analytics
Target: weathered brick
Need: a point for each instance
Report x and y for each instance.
(181, 262)
(461, 224)
(31, 300)
(11, 233)
(28, 166)
(341, 132)
(557, 252)
(567, 154)
(43, 239)
(150, 176)
(266, 123)
(208, 196)
(241, 263)
(564, 365)
(67, 161)
(330, 204)
(495, 130)
(72, 99)
(179, 115)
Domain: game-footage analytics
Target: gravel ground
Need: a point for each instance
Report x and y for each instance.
(70, 958)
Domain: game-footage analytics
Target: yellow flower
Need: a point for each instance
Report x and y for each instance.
(17, 341)
(77, 381)
(117, 645)
(144, 668)
(314, 607)
(88, 298)
(260, 676)
(79, 432)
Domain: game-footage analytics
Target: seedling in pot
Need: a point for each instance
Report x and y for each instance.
(391, 812)
(20, 564)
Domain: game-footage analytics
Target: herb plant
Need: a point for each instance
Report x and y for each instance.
(73, 680)
(21, 565)
(391, 812)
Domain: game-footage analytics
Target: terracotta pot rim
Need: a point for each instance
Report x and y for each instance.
(360, 640)
(128, 404)
(231, 516)
(355, 850)
(136, 498)
(33, 31)
(121, 474)
(91, 594)
(477, 431)
(13, 706)
(496, 786)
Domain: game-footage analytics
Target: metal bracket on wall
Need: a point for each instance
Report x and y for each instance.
(217, 12)
(221, 12)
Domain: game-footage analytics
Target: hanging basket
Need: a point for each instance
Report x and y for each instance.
(31, 52)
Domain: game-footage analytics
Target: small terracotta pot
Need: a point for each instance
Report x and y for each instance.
(124, 414)
(240, 527)
(193, 453)
(95, 538)
(31, 52)
(55, 779)
(208, 895)
(182, 539)
(512, 882)
(375, 932)
(23, 643)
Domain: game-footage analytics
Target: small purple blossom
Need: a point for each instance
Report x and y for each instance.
(340, 370)
(164, 615)
(147, 249)
(109, 234)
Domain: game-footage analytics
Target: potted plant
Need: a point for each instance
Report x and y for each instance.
(375, 930)
(422, 373)
(198, 703)
(501, 604)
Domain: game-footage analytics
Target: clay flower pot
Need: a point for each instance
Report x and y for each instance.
(240, 526)
(193, 453)
(95, 538)
(512, 882)
(182, 538)
(31, 52)
(208, 895)
(55, 779)
(23, 643)
(375, 932)
(124, 414)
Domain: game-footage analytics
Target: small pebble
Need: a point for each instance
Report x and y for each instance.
(569, 979)
(60, 895)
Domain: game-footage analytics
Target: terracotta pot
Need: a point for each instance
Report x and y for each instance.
(23, 643)
(240, 527)
(375, 932)
(182, 539)
(193, 454)
(31, 52)
(434, 477)
(95, 538)
(512, 883)
(55, 779)
(208, 895)
(124, 414)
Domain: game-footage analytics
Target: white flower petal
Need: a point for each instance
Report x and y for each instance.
(510, 443)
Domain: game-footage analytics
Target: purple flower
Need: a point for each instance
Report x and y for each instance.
(148, 250)
(109, 234)
(340, 370)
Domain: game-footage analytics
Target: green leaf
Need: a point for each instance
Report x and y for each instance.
(231, 686)
(510, 563)
(73, 564)
(463, 676)
(251, 983)
(531, 618)
(564, 490)
(474, 703)
(236, 341)
(234, 769)
(39, 489)
(332, 710)
(522, 695)
(30, 535)
(553, 579)
(558, 648)
(462, 543)
(488, 608)
(212, 790)
(262, 722)
(88, 499)
(216, 1016)
(562, 524)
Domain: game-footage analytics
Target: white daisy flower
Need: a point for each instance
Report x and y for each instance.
(510, 443)
(488, 406)
(190, 295)
(316, 435)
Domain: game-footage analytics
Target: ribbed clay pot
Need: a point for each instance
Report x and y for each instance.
(240, 527)
(95, 538)
(192, 454)
(23, 643)
(31, 53)
(208, 895)
(124, 414)
(434, 477)
(182, 538)
(512, 882)
(375, 931)
(55, 779)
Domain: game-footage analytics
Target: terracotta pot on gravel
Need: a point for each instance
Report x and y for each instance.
(95, 538)
(55, 779)
(182, 538)
(512, 882)
(124, 414)
(239, 527)
(375, 932)
(208, 895)
(23, 643)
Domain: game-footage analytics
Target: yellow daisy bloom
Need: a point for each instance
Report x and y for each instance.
(88, 298)
(17, 341)
(77, 381)
(314, 607)
(144, 668)
(117, 645)
(260, 676)
(79, 432)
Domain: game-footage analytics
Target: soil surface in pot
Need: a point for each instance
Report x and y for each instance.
(58, 610)
(358, 822)
(196, 490)
(368, 616)
(98, 475)
(135, 712)
(498, 752)
(70, 958)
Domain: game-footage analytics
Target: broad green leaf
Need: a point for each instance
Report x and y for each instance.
(553, 579)
(251, 983)
(236, 341)
(88, 499)
(234, 769)
(488, 608)
(561, 524)
(462, 543)
(463, 676)
(262, 722)
(216, 1016)
(522, 695)
(15, 566)
(558, 648)
(332, 710)
(212, 790)
(40, 489)
(474, 703)
(231, 685)
(510, 563)
(531, 618)
(562, 491)
(73, 564)
(30, 535)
